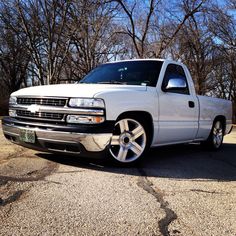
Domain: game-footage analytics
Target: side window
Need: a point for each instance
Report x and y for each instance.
(174, 71)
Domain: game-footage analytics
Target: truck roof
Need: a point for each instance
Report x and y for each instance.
(146, 59)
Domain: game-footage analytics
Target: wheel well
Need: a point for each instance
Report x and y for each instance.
(222, 119)
(143, 116)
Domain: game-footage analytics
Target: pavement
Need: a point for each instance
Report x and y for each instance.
(176, 190)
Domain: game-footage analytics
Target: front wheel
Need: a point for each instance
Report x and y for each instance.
(129, 141)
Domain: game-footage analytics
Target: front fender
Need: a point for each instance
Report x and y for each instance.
(118, 102)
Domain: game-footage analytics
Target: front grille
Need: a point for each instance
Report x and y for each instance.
(59, 102)
(41, 115)
(48, 109)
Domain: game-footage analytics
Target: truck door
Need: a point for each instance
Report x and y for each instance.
(178, 108)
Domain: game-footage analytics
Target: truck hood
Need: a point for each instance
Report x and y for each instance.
(74, 90)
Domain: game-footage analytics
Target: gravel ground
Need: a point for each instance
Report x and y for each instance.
(178, 190)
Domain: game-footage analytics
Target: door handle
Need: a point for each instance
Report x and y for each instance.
(191, 104)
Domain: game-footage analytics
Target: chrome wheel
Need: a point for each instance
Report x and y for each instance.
(129, 140)
(217, 134)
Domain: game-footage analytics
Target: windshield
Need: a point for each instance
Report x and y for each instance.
(127, 72)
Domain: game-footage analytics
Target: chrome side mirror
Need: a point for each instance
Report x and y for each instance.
(176, 83)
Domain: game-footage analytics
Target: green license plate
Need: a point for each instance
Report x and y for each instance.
(27, 136)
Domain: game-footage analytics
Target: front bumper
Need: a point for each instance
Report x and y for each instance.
(49, 139)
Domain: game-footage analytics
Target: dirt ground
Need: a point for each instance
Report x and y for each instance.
(177, 190)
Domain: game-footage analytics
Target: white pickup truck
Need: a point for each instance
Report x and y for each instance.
(121, 108)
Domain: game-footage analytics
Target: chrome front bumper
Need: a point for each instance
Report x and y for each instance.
(56, 141)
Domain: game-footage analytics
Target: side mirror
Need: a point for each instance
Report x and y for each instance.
(176, 84)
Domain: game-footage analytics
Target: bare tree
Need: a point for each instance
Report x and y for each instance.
(223, 26)
(138, 28)
(43, 22)
(14, 57)
(93, 41)
(54, 41)
(195, 47)
(143, 25)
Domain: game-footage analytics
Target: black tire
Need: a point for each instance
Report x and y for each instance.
(215, 139)
(130, 141)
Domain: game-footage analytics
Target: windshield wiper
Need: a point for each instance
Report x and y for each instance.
(111, 82)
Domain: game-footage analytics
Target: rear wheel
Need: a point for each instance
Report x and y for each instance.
(216, 136)
(130, 141)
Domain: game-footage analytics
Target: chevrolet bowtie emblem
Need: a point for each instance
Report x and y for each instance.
(33, 108)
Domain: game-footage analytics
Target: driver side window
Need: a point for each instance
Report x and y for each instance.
(174, 71)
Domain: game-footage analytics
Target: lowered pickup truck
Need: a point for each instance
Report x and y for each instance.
(121, 108)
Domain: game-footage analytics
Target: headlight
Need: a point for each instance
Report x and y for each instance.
(12, 100)
(86, 102)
